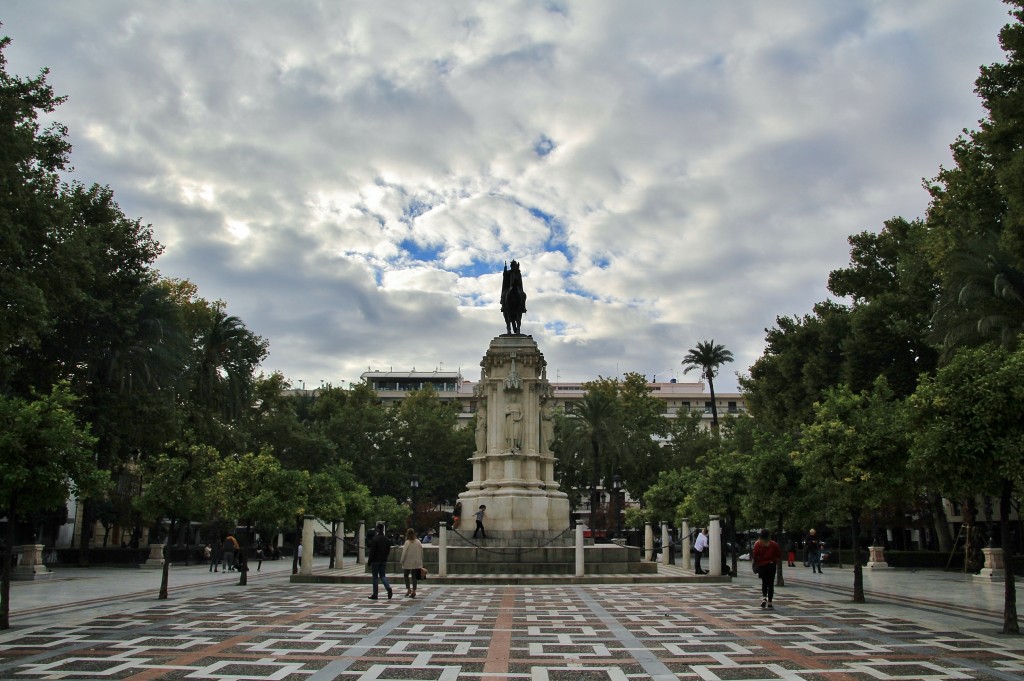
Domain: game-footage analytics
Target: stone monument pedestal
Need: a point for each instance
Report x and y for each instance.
(995, 564)
(31, 566)
(513, 467)
(876, 557)
(156, 557)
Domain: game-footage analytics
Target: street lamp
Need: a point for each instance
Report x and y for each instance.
(414, 484)
(616, 488)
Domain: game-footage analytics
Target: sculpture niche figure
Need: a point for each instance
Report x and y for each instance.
(513, 298)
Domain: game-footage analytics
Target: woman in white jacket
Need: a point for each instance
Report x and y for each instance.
(412, 561)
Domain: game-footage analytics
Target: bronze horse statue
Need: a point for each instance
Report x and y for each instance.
(513, 297)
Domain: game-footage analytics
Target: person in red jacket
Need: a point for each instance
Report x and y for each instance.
(766, 557)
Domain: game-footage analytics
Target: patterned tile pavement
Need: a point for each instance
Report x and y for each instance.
(486, 633)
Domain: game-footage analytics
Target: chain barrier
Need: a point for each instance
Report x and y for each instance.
(517, 552)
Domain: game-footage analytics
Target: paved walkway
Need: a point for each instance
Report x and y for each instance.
(108, 624)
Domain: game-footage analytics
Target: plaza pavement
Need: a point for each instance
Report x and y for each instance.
(108, 624)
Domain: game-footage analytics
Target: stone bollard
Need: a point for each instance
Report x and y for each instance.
(581, 568)
(361, 544)
(339, 547)
(666, 544)
(306, 564)
(684, 536)
(715, 553)
(442, 551)
(648, 542)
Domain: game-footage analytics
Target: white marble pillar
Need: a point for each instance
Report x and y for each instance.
(648, 542)
(581, 567)
(339, 547)
(666, 545)
(684, 536)
(442, 551)
(715, 553)
(361, 544)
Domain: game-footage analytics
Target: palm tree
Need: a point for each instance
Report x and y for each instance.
(983, 300)
(595, 431)
(708, 357)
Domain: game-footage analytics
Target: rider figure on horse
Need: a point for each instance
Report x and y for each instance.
(513, 298)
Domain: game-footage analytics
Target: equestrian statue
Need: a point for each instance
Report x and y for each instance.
(513, 298)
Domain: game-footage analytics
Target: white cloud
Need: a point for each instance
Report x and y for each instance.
(350, 177)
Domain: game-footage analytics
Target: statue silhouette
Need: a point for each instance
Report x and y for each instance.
(513, 298)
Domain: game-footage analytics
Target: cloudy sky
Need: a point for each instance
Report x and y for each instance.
(350, 177)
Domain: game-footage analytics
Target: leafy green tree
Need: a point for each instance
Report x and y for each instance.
(856, 452)
(31, 159)
(644, 429)
(968, 426)
(360, 428)
(801, 361)
(708, 356)
(663, 499)
(179, 486)
(688, 441)
(436, 450)
(45, 457)
(272, 423)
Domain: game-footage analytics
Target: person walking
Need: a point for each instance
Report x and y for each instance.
(412, 562)
(457, 515)
(215, 556)
(766, 557)
(377, 557)
(813, 546)
(229, 547)
(480, 522)
(791, 553)
(699, 546)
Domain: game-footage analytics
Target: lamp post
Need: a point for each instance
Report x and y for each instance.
(414, 484)
(616, 489)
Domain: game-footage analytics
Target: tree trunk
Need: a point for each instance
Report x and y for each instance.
(858, 570)
(165, 573)
(1010, 624)
(86, 534)
(714, 407)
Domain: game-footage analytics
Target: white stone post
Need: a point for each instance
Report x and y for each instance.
(306, 566)
(442, 551)
(648, 541)
(666, 545)
(684, 536)
(361, 544)
(580, 566)
(715, 535)
(339, 547)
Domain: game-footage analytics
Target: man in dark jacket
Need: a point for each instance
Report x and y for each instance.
(380, 548)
